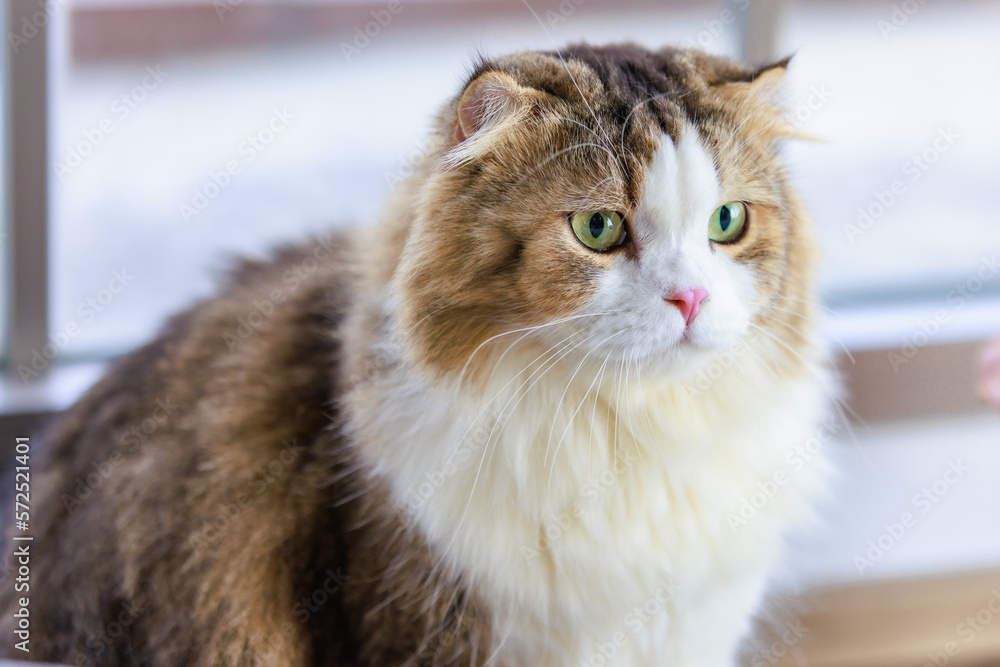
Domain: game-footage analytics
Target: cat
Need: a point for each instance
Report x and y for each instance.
(516, 422)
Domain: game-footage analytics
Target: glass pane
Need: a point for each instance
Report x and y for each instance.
(166, 165)
(903, 185)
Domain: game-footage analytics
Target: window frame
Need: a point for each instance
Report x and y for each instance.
(27, 180)
(27, 185)
(26, 177)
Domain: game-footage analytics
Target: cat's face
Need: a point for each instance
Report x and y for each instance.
(614, 204)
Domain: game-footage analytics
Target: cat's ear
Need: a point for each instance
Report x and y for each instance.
(485, 103)
(729, 78)
(756, 95)
(764, 83)
(492, 104)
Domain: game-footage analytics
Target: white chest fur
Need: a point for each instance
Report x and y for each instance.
(594, 510)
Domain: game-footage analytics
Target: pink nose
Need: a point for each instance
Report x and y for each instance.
(688, 301)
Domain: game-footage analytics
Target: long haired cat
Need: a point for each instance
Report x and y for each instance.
(515, 423)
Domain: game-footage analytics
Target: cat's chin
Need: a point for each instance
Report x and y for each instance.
(684, 361)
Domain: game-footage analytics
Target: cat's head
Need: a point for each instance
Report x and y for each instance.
(607, 203)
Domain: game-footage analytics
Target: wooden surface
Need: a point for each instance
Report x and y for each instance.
(952, 621)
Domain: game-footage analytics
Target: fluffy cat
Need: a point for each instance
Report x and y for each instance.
(513, 424)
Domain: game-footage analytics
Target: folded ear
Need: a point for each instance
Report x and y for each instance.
(492, 104)
(762, 84)
(755, 95)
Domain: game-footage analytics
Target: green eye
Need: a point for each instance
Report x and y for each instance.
(599, 230)
(726, 224)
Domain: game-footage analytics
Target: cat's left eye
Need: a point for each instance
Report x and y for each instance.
(727, 223)
(599, 230)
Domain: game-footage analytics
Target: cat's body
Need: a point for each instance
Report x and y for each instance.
(463, 441)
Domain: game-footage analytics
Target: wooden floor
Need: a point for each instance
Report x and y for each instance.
(951, 621)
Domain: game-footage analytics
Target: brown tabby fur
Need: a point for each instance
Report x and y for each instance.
(157, 545)
(231, 492)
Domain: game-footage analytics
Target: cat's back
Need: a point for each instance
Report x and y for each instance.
(181, 496)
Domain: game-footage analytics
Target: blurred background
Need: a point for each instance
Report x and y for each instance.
(147, 142)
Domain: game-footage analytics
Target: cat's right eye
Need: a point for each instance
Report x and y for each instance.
(599, 230)
(727, 222)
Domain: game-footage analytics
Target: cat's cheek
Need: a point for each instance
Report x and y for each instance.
(737, 296)
(558, 281)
